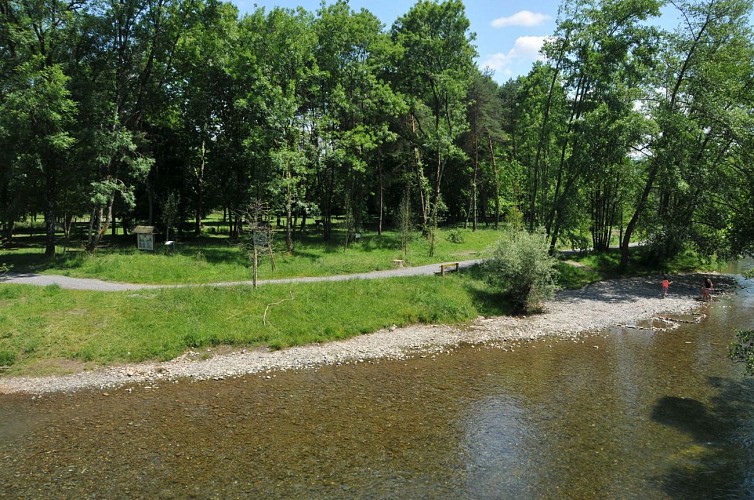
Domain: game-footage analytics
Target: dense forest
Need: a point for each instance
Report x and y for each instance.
(131, 109)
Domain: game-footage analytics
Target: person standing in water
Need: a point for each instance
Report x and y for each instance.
(707, 287)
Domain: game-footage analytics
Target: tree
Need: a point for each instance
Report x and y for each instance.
(697, 93)
(485, 129)
(602, 52)
(276, 69)
(354, 104)
(36, 109)
(203, 100)
(435, 71)
(127, 70)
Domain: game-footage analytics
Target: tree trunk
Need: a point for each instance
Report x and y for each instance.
(497, 182)
(200, 190)
(49, 228)
(381, 202)
(624, 247)
(474, 184)
(150, 201)
(50, 208)
(288, 214)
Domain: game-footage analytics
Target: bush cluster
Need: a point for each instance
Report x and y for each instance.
(522, 270)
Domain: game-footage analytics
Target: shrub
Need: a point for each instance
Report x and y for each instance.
(455, 236)
(522, 270)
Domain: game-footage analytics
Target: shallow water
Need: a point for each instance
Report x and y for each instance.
(624, 414)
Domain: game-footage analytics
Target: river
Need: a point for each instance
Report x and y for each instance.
(625, 413)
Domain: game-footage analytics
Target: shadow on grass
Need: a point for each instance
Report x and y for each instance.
(487, 301)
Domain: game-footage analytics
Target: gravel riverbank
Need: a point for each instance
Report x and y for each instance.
(570, 313)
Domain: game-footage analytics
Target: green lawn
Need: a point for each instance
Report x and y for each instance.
(212, 260)
(45, 329)
(52, 331)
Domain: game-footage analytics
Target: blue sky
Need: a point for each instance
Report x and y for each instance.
(509, 32)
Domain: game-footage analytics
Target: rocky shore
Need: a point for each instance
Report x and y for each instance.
(625, 303)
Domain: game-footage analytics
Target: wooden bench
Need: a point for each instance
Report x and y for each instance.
(398, 263)
(445, 267)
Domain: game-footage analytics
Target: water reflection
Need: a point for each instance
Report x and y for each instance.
(496, 438)
(624, 414)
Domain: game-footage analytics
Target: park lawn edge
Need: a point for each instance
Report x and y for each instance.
(52, 331)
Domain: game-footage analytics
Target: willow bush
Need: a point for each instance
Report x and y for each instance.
(522, 270)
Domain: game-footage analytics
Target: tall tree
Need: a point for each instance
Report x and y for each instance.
(277, 68)
(698, 89)
(355, 104)
(435, 71)
(601, 50)
(485, 130)
(35, 103)
(204, 99)
(129, 68)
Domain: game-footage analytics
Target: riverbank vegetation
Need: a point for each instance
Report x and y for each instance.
(52, 330)
(365, 145)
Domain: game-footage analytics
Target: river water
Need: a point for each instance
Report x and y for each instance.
(626, 413)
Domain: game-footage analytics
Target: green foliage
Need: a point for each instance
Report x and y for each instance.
(742, 349)
(455, 236)
(7, 358)
(522, 270)
(334, 109)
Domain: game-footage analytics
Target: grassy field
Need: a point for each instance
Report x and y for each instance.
(54, 331)
(216, 259)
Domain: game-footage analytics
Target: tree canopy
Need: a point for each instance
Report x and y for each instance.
(626, 131)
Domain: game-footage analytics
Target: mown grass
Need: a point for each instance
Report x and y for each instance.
(211, 260)
(52, 331)
(94, 328)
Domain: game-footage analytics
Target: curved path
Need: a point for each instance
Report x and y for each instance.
(108, 286)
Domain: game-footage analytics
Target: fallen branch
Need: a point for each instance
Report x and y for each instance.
(264, 318)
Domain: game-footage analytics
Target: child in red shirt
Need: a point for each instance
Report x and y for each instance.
(665, 285)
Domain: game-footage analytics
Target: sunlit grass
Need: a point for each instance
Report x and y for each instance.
(42, 324)
(211, 260)
(51, 330)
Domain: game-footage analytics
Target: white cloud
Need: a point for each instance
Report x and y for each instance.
(524, 52)
(528, 47)
(523, 18)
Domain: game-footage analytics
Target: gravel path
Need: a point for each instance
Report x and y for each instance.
(108, 286)
(598, 306)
